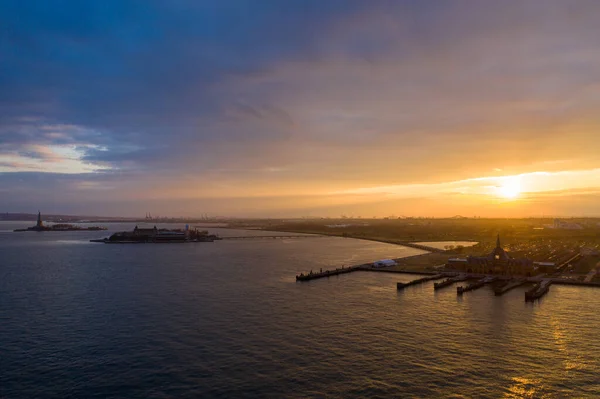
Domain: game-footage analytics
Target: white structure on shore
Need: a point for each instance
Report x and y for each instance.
(384, 263)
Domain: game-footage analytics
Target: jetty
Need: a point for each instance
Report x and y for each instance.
(368, 267)
(401, 286)
(478, 284)
(538, 290)
(327, 273)
(450, 281)
(510, 284)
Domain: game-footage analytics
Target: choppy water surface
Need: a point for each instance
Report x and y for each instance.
(227, 319)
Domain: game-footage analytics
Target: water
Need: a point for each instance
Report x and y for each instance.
(227, 319)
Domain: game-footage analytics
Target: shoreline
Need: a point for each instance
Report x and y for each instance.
(405, 244)
(423, 262)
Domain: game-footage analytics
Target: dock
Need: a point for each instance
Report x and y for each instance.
(509, 286)
(401, 286)
(538, 290)
(450, 281)
(478, 284)
(327, 273)
(368, 267)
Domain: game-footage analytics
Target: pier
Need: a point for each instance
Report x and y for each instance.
(509, 286)
(368, 267)
(538, 290)
(450, 281)
(327, 273)
(401, 286)
(478, 284)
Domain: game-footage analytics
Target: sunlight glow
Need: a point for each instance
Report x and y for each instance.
(510, 188)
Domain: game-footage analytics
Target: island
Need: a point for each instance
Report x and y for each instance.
(39, 226)
(156, 235)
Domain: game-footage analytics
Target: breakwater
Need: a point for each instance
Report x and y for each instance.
(367, 267)
(538, 290)
(327, 273)
(401, 286)
(450, 281)
(478, 284)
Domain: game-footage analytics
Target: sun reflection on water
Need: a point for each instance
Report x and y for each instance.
(525, 388)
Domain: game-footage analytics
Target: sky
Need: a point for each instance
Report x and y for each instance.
(300, 108)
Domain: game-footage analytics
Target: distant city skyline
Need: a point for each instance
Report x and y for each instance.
(300, 108)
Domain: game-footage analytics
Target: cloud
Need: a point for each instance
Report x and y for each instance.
(301, 96)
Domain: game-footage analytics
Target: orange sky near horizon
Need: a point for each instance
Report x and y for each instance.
(486, 108)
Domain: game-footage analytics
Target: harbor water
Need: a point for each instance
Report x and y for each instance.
(228, 320)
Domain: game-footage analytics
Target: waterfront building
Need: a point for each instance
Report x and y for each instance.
(149, 232)
(496, 262)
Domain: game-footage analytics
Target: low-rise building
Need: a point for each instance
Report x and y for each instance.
(497, 262)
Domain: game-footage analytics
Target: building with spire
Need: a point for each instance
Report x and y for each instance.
(496, 262)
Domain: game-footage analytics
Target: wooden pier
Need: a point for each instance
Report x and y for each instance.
(367, 267)
(478, 284)
(538, 290)
(450, 281)
(401, 286)
(327, 273)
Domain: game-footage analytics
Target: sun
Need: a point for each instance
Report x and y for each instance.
(510, 188)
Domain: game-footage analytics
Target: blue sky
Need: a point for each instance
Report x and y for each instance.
(292, 108)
